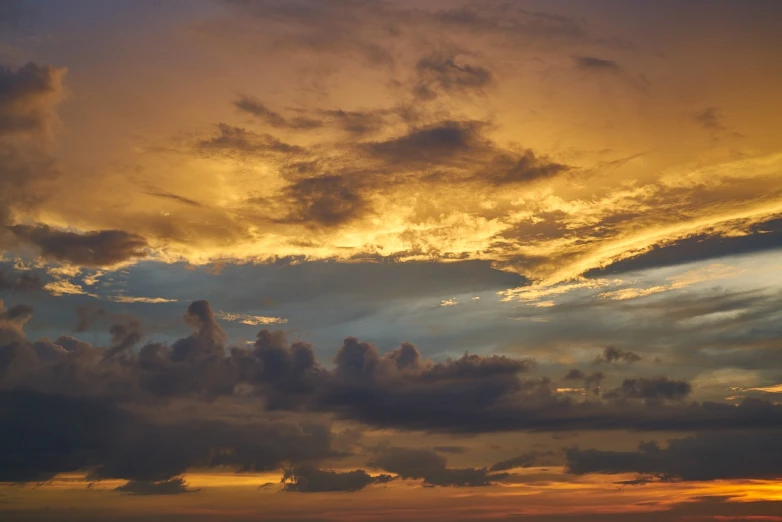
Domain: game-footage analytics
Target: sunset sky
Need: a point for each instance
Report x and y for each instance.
(347, 260)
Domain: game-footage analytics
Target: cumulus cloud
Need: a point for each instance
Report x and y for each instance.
(86, 407)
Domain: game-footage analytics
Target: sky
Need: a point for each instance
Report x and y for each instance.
(326, 260)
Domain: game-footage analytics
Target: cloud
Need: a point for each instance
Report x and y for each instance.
(175, 197)
(27, 97)
(174, 486)
(231, 140)
(399, 389)
(274, 119)
(427, 465)
(651, 389)
(710, 119)
(252, 320)
(148, 300)
(522, 461)
(446, 73)
(705, 456)
(444, 141)
(760, 237)
(592, 63)
(612, 355)
(326, 201)
(21, 282)
(44, 434)
(94, 249)
(308, 479)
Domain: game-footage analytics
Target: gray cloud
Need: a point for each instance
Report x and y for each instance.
(20, 281)
(309, 479)
(97, 248)
(705, 456)
(174, 486)
(522, 461)
(615, 355)
(760, 237)
(445, 73)
(428, 466)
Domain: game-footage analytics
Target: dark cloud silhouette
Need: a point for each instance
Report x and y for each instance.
(614, 355)
(428, 466)
(174, 486)
(596, 64)
(448, 140)
(705, 456)
(44, 434)
(398, 389)
(309, 479)
(94, 249)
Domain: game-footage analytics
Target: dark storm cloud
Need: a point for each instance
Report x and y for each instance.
(615, 355)
(760, 237)
(427, 465)
(596, 64)
(26, 97)
(309, 479)
(369, 29)
(705, 456)
(174, 486)
(97, 248)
